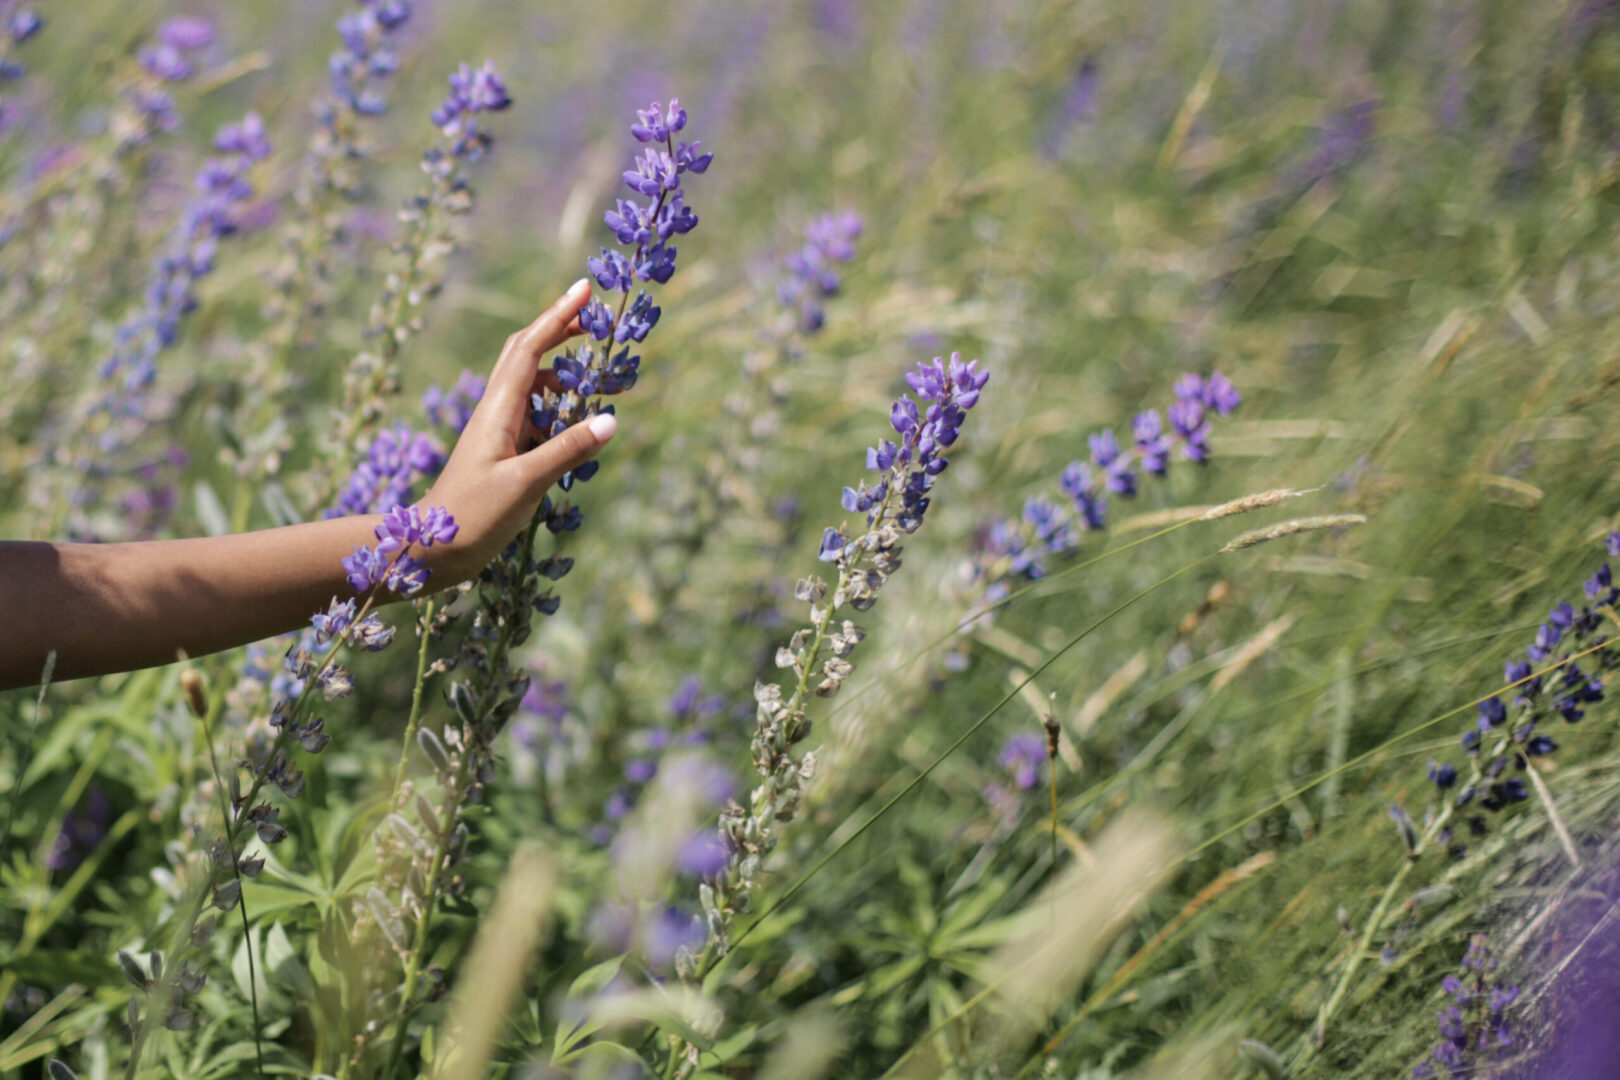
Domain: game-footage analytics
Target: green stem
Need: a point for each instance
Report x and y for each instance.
(1374, 922)
(447, 819)
(416, 702)
(236, 869)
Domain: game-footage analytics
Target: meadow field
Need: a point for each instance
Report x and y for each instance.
(1232, 705)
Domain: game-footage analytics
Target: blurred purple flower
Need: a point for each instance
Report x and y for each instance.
(83, 829)
(1023, 754)
(187, 33)
(704, 854)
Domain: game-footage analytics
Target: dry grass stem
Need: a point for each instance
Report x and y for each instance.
(1292, 528)
(1258, 501)
(494, 971)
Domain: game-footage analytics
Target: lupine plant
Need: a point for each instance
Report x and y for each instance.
(893, 507)
(418, 861)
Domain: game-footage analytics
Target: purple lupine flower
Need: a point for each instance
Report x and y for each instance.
(334, 621)
(1151, 443)
(811, 278)
(83, 829)
(365, 569)
(453, 409)
(655, 124)
(1475, 1026)
(592, 370)
(126, 410)
(367, 58)
(703, 855)
(472, 92)
(396, 461)
(670, 932)
(1028, 547)
(1007, 550)
(1023, 754)
(187, 33)
(23, 24)
(1078, 107)
(1567, 631)
(1344, 139)
(166, 62)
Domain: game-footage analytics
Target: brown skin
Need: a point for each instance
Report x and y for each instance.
(118, 607)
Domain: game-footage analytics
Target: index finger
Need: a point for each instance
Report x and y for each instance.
(515, 372)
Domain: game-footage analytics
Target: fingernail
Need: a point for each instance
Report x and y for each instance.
(603, 425)
(579, 288)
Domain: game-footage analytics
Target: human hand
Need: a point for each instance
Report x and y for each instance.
(493, 480)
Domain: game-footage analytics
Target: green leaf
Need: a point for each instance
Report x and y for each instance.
(264, 901)
(239, 968)
(282, 962)
(607, 1057)
(281, 509)
(589, 983)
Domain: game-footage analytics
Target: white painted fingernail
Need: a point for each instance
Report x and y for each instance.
(603, 425)
(579, 288)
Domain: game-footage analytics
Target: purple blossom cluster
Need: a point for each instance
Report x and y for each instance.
(1009, 550)
(20, 23)
(366, 58)
(646, 228)
(452, 409)
(167, 59)
(948, 389)
(401, 529)
(1476, 1025)
(661, 931)
(1507, 734)
(213, 212)
(83, 829)
(396, 460)
(692, 715)
(1021, 757)
(811, 276)
(309, 666)
(473, 92)
(220, 189)
(126, 408)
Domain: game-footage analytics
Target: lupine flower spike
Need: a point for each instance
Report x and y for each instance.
(1013, 550)
(517, 583)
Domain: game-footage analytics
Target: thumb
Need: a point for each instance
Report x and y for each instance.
(569, 449)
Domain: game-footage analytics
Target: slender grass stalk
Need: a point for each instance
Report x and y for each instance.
(236, 873)
(415, 717)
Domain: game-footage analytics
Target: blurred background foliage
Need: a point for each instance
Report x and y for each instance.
(1390, 223)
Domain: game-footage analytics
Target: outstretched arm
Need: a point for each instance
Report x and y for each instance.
(117, 607)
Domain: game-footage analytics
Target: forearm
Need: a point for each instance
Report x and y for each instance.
(116, 607)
